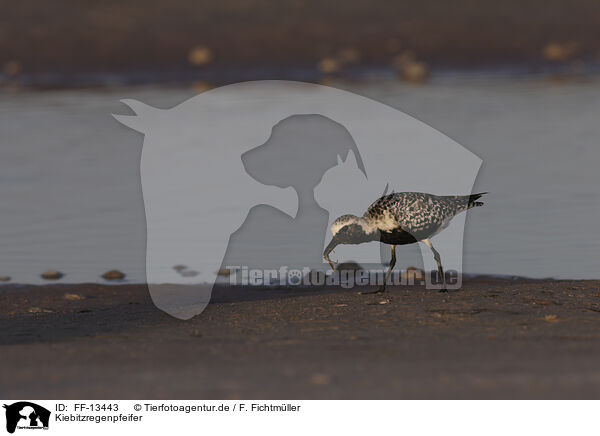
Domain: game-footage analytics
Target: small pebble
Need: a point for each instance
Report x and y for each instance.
(560, 51)
(72, 297)
(320, 379)
(410, 68)
(38, 310)
(52, 275)
(415, 72)
(349, 266)
(200, 56)
(113, 274)
(328, 66)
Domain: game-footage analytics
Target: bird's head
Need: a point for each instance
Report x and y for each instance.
(349, 229)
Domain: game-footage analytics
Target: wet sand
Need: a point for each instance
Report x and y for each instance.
(496, 338)
(137, 36)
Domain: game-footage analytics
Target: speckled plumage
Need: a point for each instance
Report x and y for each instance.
(398, 219)
(420, 214)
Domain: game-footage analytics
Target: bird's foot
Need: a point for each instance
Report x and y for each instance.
(378, 291)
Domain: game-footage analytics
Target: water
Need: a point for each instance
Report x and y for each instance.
(71, 196)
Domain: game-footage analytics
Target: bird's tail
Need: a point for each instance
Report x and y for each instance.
(473, 198)
(466, 202)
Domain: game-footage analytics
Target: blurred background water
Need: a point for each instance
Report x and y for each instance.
(515, 82)
(71, 195)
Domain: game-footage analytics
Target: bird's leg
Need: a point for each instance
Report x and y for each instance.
(389, 271)
(331, 262)
(438, 259)
(387, 274)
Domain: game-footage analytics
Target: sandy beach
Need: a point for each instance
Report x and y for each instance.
(496, 338)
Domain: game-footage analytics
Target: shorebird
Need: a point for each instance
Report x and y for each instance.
(398, 219)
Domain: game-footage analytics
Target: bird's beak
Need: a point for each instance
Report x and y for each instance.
(328, 250)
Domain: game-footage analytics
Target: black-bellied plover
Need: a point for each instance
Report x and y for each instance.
(401, 218)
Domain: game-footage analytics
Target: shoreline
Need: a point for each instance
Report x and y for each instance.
(211, 77)
(14, 285)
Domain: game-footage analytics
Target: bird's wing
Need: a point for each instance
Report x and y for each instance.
(381, 214)
(422, 215)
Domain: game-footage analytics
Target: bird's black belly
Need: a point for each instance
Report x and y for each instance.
(397, 237)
